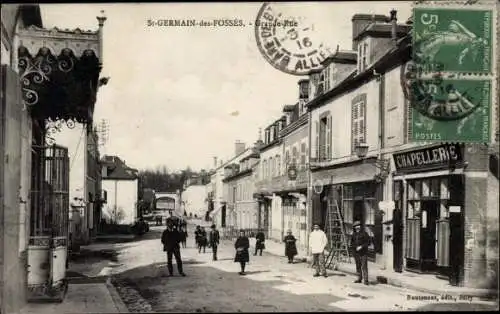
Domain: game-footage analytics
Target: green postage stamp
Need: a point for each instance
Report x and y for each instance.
(459, 39)
(455, 110)
(452, 73)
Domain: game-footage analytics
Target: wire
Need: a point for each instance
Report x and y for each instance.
(77, 146)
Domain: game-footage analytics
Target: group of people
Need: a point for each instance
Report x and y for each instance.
(318, 241)
(360, 241)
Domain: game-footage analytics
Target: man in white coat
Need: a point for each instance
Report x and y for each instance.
(317, 245)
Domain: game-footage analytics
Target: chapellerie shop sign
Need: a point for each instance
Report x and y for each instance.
(431, 157)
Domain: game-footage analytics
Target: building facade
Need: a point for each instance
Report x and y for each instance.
(224, 213)
(121, 184)
(34, 171)
(194, 196)
(420, 201)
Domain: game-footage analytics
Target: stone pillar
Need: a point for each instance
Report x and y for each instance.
(475, 209)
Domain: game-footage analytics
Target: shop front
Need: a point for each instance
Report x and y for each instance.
(429, 197)
(355, 191)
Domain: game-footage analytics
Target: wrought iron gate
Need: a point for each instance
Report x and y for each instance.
(48, 249)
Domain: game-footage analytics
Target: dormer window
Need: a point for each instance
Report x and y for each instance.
(321, 84)
(363, 55)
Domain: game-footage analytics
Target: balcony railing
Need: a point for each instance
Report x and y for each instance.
(282, 183)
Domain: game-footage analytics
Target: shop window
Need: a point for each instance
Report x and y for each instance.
(370, 208)
(445, 192)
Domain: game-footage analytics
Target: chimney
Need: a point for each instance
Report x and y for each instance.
(360, 22)
(394, 25)
(215, 162)
(239, 148)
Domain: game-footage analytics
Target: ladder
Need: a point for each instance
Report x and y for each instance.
(339, 248)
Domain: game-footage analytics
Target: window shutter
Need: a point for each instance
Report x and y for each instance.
(328, 142)
(354, 126)
(317, 139)
(409, 125)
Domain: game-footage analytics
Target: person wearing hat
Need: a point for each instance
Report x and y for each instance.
(290, 246)
(214, 241)
(170, 239)
(242, 256)
(259, 244)
(359, 245)
(317, 245)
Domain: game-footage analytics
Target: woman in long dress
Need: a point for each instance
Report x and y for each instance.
(290, 246)
(242, 256)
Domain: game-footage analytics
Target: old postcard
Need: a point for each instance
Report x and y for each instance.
(249, 157)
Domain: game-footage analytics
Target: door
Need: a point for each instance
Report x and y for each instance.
(397, 239)
(430, 212)
(57, 172)
(359, 211)
(223, 216)
(457, 244)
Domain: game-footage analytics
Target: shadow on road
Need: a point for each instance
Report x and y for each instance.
(207, 289)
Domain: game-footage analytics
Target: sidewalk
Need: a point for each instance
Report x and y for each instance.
(82, 298)
(419, 282)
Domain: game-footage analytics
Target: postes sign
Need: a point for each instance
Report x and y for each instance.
(441, 156)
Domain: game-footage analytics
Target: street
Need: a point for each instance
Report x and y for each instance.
(139, 273)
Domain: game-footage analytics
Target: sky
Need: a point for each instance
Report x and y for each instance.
(179, 96)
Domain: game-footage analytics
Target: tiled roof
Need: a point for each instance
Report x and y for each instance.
(117, 169)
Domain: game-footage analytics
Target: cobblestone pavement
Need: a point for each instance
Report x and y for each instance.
(270, 285)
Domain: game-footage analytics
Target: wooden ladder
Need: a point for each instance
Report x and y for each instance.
(339, 248)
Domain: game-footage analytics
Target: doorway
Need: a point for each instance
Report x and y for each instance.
(223, 216)
(430, 214)
(359, 211)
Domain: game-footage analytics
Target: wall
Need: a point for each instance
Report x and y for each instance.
(15, 173)
(194, 200)
(276, 218)
(394, 127)
(124, 196)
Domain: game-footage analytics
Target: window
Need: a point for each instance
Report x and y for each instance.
(327, 78)
(287, 158)
(264, 168)
(358, 130)
(321, 85)
(363, 56)
(295, 155)
(271, 167)
(303, 155)
(325, 138)
(278, 165)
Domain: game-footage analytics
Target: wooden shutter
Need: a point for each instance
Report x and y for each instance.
(443, 242)
(409, 118)
(413, 238)
(316, 123)
(354, 126)
(362, 119)
(328, 138)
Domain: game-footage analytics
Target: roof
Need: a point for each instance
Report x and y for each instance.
(368, 17)
(117, 169)
(378, 29)
(287, 108)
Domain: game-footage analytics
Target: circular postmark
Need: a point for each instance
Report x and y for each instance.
(287, 41)
(436, 96)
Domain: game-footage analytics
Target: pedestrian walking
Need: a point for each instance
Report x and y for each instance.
(317, 245)
(170, 239)
(197, 235)
(214, 241)
(184, 235)
(259, 244)
(290, 246)
(242, 256)
(203, 241)
(359, 245)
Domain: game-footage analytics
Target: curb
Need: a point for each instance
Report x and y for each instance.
(476, 293)
(117, 300)
(481, 294)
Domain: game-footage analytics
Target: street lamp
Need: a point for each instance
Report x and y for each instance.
(382, 164)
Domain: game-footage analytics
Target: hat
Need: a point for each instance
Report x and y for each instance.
(356, 223)
(212, 226)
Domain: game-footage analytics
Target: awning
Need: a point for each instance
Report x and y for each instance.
(353, 173)
(59, 71)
